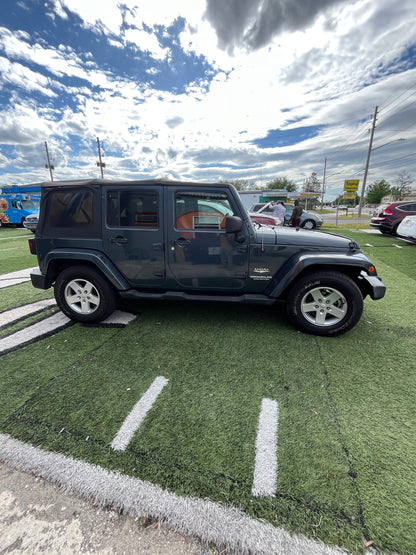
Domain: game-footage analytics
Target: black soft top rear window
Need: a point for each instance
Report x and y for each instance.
(73, 211)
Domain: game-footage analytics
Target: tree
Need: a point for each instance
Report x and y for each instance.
(377, 190)
(403, 185)
(312, 185)
(282, 183)
(240, 184)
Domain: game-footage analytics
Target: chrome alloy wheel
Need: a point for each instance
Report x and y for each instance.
(82, 296)
(324, 306)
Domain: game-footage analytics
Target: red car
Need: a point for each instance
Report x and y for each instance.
(263, 219)
(387, 217)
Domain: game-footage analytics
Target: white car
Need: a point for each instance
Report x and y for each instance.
(407, 228)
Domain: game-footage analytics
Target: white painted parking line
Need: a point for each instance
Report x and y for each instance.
(15, 314)
(226, 526)
(265, 466)
(138, 414)
(17, 237)
(32, 333)
(14, 278)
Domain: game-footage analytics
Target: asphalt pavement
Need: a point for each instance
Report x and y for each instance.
(344, 218)
(38, 517)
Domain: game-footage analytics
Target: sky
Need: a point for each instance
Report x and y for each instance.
(207, 90)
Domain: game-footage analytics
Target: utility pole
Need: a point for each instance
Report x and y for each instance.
(323, 186)
(360, 206)
(48, 165)
(100, 164)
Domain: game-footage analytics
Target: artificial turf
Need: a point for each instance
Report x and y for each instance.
(346, 442)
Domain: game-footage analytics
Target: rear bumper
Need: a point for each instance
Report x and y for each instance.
(39, 280)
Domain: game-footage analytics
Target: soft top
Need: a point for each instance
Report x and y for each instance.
(125, 182)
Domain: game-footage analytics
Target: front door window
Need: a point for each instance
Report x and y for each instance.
(202, 255)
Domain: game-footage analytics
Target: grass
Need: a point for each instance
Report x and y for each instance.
(14, 250)
(347, 412)
(340, 227)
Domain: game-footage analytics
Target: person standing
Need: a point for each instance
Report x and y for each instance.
(296, 214)
(279, 211)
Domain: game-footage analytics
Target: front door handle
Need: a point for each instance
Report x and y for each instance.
(119, 240)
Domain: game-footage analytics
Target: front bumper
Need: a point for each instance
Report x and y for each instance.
(375, 287)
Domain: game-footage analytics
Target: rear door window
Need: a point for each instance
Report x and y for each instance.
(135, 209)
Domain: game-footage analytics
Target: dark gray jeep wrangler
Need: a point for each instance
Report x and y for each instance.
(159, 239)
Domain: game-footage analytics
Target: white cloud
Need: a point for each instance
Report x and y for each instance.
(320, 71)
(17, 75)
(146, 42)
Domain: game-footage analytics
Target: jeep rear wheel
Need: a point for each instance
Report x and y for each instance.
(327, 303)
(84, 295)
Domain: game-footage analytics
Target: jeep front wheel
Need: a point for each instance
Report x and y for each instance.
(84, 295)
(327, 303)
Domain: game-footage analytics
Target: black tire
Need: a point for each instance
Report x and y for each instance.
(324, 303)
(308, 224)
(84, 294)
(394, 230)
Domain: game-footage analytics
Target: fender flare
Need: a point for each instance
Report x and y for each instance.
(296, 265)
(96, 258)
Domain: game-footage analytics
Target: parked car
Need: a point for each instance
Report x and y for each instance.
(308, 220)
(99, 240)
(407, 229)
(31, 222)
(264, 219)
(387, 217)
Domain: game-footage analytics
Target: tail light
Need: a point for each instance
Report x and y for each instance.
(32, 245)
(388, 212)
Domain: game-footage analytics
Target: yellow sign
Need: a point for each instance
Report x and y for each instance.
(349, 194)
(351, 184)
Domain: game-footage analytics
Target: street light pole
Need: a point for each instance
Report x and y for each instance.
(360, 206)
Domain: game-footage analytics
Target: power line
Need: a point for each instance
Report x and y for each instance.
(383, 107)
(383, 114)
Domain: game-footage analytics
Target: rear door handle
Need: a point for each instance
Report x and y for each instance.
(181, 242)
(119, 240)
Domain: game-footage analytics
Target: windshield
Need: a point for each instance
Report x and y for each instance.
(31, 204)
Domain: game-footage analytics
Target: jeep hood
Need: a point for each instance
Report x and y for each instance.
(299, 237)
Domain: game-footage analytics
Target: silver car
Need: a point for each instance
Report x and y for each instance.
(31, 222)
(308, 220)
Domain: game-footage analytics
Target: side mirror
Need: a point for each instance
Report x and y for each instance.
(233, 224)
